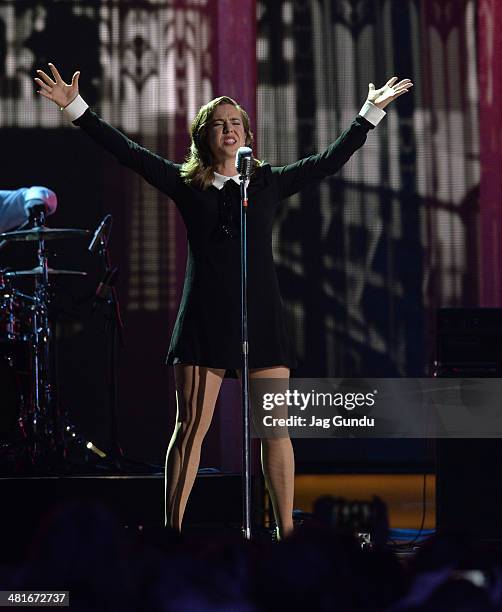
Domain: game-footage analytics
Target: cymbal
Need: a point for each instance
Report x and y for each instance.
(38, 272)
(43, 233)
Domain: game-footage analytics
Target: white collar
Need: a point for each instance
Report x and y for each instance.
(221, 179)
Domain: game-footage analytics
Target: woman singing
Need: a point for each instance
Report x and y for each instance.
(206, 339)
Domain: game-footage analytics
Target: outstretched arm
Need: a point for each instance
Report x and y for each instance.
(159, 172)
(292, 178)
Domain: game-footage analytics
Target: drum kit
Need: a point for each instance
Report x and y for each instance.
(34, 432)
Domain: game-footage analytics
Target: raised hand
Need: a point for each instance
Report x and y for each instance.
(56, 89)
(390, 91)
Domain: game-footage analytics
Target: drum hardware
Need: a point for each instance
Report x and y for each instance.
(45, 431)
(38, 271)
(15, 385)
(15, 317)
(15, 309)
(41, 233)
(14, 376)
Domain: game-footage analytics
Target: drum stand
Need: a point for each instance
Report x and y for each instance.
(46, 429)
(42, 421)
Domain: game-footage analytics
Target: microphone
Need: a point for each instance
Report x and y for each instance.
(96, 239)
(244, 162)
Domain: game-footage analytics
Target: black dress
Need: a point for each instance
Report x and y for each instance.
(207, 329)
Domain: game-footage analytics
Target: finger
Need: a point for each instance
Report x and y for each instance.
(74, 78)
(41, 84)
(403, 82)
(46, 78)
(44, 94)
(399, 94)
(55, 72)
(402, 89)
(391, 82)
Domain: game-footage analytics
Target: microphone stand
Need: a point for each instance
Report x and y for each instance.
(107, 293)
(246, 447)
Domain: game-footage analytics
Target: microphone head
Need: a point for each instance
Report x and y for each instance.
(243, 161)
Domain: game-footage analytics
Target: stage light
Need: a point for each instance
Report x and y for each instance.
(95, 450)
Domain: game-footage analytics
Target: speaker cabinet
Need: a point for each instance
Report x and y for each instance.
(469, 471)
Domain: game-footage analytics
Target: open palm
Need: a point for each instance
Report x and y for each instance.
(55, 88)
(389, 92)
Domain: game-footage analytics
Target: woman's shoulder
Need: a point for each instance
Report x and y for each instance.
(262, 173)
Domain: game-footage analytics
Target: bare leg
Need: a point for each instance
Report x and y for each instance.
(196, 391)
(278, 464)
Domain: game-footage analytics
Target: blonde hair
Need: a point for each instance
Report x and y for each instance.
(198, 166)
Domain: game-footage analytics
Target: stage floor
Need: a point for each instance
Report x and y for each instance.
(216, 497)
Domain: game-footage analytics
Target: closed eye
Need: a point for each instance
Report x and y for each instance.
(219, 122)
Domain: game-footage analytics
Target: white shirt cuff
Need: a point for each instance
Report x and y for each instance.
(372, 113)
(75, 109)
